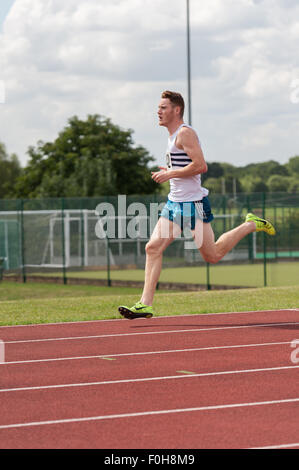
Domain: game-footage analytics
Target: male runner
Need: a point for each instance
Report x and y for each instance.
(187, 204)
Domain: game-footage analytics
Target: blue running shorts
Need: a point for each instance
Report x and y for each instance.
(186, 213)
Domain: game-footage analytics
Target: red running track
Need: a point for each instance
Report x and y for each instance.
(189, 382)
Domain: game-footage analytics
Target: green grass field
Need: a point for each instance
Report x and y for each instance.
(251, 275)
(48, 303)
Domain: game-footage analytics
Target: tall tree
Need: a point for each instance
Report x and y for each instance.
(91, 157)
(293, 165)
(10, 170)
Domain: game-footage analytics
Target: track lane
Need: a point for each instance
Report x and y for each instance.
(180, 391)
(146, 340)
(89, 328)
(146, 396)
(240, 426)
(127, 366)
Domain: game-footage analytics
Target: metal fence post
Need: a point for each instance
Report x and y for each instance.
(108, 262)
(63, 243)
(250, 236)
(264, 239)
(208, 276)
(22, 240)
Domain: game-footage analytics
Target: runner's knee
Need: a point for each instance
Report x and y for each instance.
(153, 247)
(210, 257)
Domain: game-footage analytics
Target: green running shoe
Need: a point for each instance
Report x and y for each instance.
(262, 225)
(139, 310)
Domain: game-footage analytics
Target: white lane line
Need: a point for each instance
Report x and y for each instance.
(145, 379)
(149, 413)
(146, 353)
(278, 446)
(257, 325)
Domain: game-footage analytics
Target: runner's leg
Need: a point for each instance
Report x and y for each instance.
(212, 251)
(164, 233)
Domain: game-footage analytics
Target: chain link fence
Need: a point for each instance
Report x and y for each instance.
(102, 241)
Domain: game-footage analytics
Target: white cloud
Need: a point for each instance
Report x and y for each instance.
(2, 92)
(114, 58)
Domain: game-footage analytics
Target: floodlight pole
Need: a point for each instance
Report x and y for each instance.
(189, 64)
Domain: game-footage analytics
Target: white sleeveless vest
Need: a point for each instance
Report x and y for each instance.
(182, 189)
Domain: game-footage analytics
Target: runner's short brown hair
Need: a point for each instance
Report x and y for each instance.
(176, 99)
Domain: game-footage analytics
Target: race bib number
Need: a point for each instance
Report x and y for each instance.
(168, 160)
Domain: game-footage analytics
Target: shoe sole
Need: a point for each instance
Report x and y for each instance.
(125, 312)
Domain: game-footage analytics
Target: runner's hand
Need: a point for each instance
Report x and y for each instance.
(162, 175)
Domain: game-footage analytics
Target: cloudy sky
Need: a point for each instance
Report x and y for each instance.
(115, 57)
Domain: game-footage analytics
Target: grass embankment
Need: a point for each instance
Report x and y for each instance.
(47, 303)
